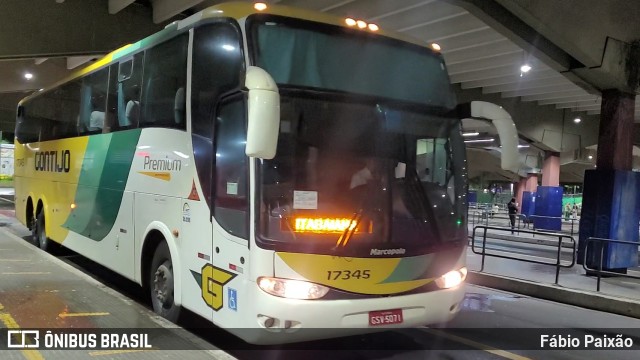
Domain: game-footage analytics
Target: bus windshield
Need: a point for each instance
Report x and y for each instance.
(354, 177)
(311, 55)
(368, 161)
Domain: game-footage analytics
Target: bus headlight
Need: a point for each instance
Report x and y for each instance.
(292, 289)
(452, 278)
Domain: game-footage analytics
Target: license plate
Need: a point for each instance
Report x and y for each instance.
(385, 317)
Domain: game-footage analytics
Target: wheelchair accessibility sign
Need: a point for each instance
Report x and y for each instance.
(233, 299)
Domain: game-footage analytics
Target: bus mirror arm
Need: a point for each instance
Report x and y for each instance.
(503, 123)
(263, 123)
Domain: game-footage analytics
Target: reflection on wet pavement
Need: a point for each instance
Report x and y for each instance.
(483, 302)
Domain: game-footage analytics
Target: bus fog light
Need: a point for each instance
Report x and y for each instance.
(292, 289)
(452, 278)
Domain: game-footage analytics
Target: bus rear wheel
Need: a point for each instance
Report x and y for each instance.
(161, 284)
(39, 234)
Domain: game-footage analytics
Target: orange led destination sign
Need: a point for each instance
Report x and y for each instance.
(324, 225)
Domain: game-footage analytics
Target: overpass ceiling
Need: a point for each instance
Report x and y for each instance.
(477, 56)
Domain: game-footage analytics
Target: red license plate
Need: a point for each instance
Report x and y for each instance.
(385, 317)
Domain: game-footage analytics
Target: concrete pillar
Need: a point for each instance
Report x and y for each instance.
(520, 188)
(551, 169)
(531, 182)
(611, 200)
(615, 139)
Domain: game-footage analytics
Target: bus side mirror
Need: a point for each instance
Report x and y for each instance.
(264, 114)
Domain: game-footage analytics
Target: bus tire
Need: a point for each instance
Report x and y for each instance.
(39, 234)
(161, 284)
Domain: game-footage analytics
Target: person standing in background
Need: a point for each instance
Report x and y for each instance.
(513, 210)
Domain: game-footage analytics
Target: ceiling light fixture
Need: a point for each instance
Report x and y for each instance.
(435, 47)
(577, 120)
(28, 76)
(473, 133)
(260, 6)
(525, 68)
(479, 140)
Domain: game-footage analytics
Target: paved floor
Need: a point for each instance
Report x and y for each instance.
(39, 291)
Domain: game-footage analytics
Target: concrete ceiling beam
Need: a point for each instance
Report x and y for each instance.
(578, 104)
(525, 84)
(569, 100)
(547, 90)
(577, 92)
(481, 52)
(488, 74)
(496, 15)
(117, 5)
(511, 78)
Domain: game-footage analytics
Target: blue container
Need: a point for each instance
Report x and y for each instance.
(472, 197)
(548, 208)
(610, 210)
(528, 206)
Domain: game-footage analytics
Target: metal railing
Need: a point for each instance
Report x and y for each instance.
(558, 263)
(482, 217)
(533, 217)
(599, 270)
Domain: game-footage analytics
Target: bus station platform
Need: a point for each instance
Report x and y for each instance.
(617, 294)
(42, 292)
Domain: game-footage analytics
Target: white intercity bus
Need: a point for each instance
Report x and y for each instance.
(264, 167)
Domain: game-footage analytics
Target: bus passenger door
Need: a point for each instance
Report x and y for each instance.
(230, 210)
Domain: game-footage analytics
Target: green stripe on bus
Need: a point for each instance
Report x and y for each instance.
(408, 269)
(103, 178)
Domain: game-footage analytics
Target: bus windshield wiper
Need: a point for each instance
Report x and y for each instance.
(415, 184)
(351, 228)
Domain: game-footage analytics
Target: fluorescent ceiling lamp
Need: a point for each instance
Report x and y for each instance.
(471, 133)
(523, 146)
(525, 68)
(479, 140)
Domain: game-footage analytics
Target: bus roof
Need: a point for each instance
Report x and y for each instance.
(235, 10)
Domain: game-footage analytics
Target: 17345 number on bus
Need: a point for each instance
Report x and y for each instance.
(348, 274)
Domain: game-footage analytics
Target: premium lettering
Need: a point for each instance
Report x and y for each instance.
(53, 161)
(162, 164)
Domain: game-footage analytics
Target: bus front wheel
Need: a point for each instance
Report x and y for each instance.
(161, 284)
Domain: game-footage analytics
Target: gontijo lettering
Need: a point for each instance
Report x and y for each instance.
(54, 161)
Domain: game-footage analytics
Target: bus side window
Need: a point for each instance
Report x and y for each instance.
(217, 66)
(93, 102)
(111, 122)
(165, 73)
(231, 204)
(129, 79)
